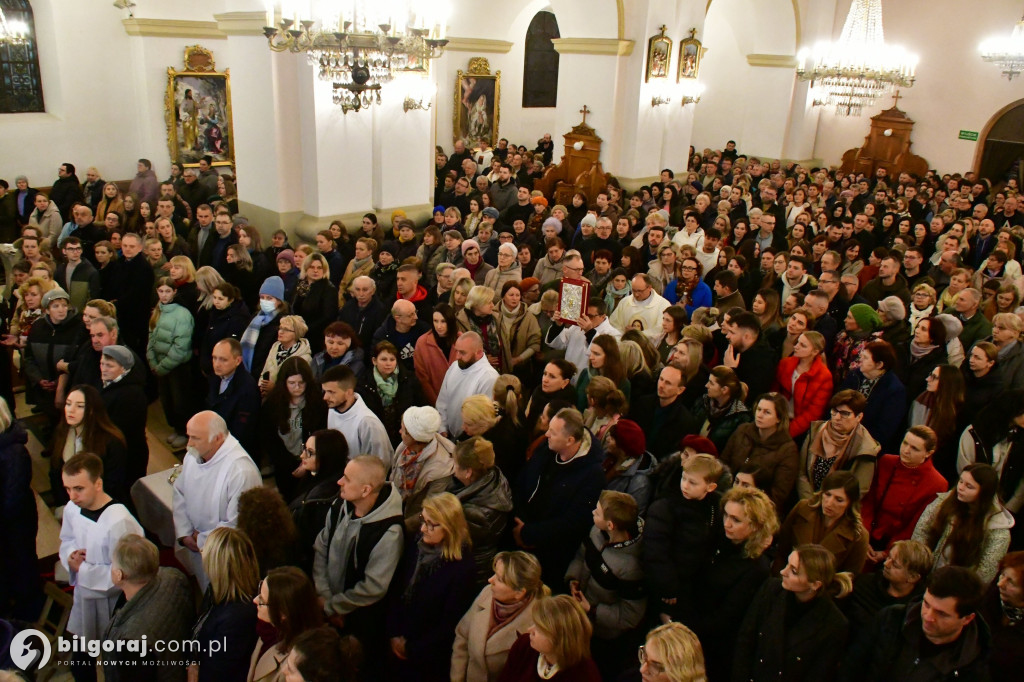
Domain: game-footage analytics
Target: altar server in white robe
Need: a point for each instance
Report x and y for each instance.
(215, 473)
(92, 525)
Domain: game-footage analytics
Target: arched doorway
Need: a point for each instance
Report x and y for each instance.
(1000, 153)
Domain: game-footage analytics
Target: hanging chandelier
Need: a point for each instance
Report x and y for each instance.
(1006, 53)
(12, 32)
(851, 73)
(359, 45)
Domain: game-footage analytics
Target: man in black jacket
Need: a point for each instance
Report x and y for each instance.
(234, 394)
(363, 311)
(66, 191)
(750, 355)
(938, 638)
(123, 378)
(664, 417)
(135, 287)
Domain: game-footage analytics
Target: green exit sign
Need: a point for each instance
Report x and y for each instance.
(971, 135)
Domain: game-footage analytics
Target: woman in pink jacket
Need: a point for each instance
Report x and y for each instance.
(435, 351)
(805, 381)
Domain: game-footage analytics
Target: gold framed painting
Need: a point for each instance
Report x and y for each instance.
(477, 103)
(659, 54)
(691, 51)
(197, 111)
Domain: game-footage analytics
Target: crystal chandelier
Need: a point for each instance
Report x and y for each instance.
(359, 45)
(851, 73)
(12, 32)
(1006, 53)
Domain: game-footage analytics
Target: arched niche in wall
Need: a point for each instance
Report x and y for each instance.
(540, 62)
(1000, 150)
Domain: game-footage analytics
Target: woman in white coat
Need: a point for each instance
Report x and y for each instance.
(501, 612)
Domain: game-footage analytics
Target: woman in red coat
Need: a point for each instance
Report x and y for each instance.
(904, 485)
(556, 647)
(805, 381)
(435, 351)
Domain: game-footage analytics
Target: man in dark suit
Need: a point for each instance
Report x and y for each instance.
(202, 238)
(233, 394)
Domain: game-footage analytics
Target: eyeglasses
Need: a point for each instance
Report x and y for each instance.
(845, 414)
(933, 377)
(259, 595)
(307, 453)
(689, 268)
(644, 658)
(428, 525)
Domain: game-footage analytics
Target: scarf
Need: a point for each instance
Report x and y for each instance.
(409, 467)
(473, 268)
(269, 636)
(830, 445)
(428, 559)
(1014, 614)
(508, 318)
(918, 351)
(866, 386)
(72, 443)
(252, 334)
(302, 288)
(613, 296)
(502, 614)
(388, 387)
(713, 409)
(486, 331)
(285, 353)
(358, 263)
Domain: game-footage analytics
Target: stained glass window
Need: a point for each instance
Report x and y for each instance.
(540, 69)
(21, 88)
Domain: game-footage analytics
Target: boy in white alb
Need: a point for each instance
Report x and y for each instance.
(93, 523)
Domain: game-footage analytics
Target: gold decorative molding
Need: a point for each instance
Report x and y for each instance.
(478, 45)
(172, 28)
(777, 61)
(241, 23)
(595, 46)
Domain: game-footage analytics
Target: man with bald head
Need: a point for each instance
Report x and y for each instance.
(471, 374)
(215, 473)
(402, 329)
(363, 311)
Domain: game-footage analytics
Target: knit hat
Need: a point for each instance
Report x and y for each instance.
(491, 212)
(553, 222)
(422, 423)
(438, 209)
(867, 319)
(560, 207)
(389, 247)
(510, 248)
(54, 294)
(122, 355)
(288, 255)
(539, 200)
(629, 437)
(239, 219)
(952, 324)
(700, 444)
(893, 308)
(529, 282)
(398, 213)
(274, 286)
(469, 243)
(589, 219)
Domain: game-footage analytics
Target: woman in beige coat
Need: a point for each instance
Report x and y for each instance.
(287, 606)
(499, 615)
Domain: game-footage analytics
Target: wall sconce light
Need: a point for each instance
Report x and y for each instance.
(659, 99)
(419, 93)
(691, 92)
(411, 104)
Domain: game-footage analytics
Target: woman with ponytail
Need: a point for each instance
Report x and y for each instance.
(793, 631)
(497, 420)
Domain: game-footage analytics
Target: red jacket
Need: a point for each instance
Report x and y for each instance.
(897, 497)
(811, 395)
(521, 666)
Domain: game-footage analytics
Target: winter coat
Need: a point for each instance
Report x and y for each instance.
(807, 525)
(435, 473)
(611, 577)
(19, 576)
(635, 480)
(431, 365)
(84, 285)
(49, 222)
(898, 495)
(127, 406)
(810, 395)
(993, 547)
(889, 650)
(1011, 366)
(523, 338)
(230, 323)
(769, 648)
(664, 426)
(271, 366)
(238, 405)
(497, 277)
(777, 456)
(318, 308)
(914, 373)
(860, 460)
(48, 343)
(170, 341)
(719, 429)
(882, 420)
(235, 624)
(353, 359)
(264, 342)
(478, 656)
(365, 321)
(546, 271)
(677, 541)
(1007, 658)
(521, 666)
(487, 506)
(408, 395)
(309, 512)
(430, 256)
(555, 500)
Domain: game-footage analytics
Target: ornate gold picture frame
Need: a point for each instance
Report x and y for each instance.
(197, 111)
(691, 51)
(659, 55)
(477, 103)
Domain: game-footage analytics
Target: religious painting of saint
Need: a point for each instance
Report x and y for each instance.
(690, 52)
(198, 116)
(477, 101)
(659, 54)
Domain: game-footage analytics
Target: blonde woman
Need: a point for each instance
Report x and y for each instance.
(227, 613)
(499, 613)
(435, 586)
(112, 202)
(555, 647)
(361, 265)
(672, 652)
(497, 420)
(291, 342)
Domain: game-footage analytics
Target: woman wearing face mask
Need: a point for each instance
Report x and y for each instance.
(968, 526)
(793, 630)
(86, 427)
(830, 518)
(261, 334)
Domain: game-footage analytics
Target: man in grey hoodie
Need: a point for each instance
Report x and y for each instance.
(358, 549)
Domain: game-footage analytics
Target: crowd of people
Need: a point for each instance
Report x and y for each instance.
(780, 439)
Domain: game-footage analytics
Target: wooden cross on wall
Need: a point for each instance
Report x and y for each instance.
(585, 111)
(896, 100)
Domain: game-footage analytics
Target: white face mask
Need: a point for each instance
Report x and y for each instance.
(267, 306)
